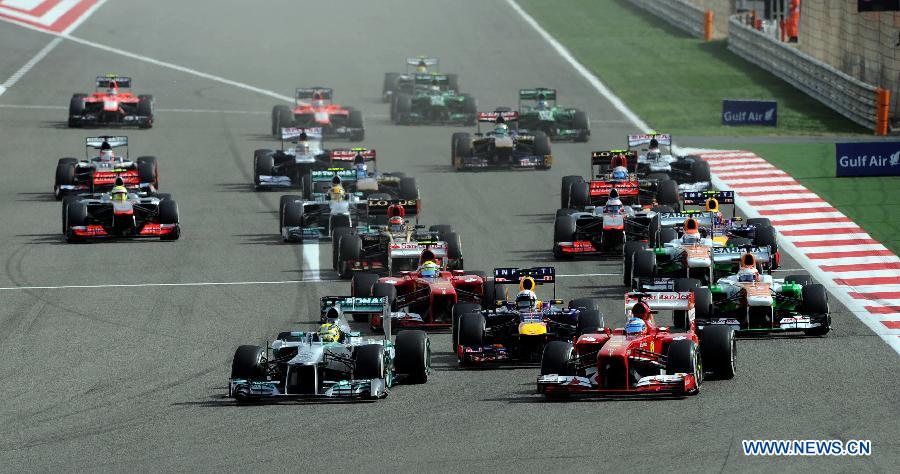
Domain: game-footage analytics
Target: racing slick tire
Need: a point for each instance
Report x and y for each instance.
(700, 172)
(563, 231)
(145, 109)
(148, 170)
(454, 251)
(355, 121)
(463, 149)
(568, 211)
(759, 221)
(368, 362)
(631, 248)
(453, 140)
(582, 123)
(65, 209)
(662, 209)
(408, 188)
(580, 195)
(471, 330)
(492, 293)
(703, 304)
(389, 85)
(557, 358)
(336, 237)
(590, 304)
(282, 204)
(441, 229)
(470, 108)
(667, 193)
(565, 191)
(413, 355)
(248, 363)
(765, 235)
(459, 309)
(361, 287)
(350, 249)
(76, 107)
(263, 165)
(282, 116)
(682, 357)
(717, 351)
(292, 217)
(168, 214)
(802, 280)
(815, 304)
(590, 321)
(402, 108)
(542, 149)
(644, 264)
(76, 215)
(306, 184)
(666, 235)
(686, 284)
(65, 175)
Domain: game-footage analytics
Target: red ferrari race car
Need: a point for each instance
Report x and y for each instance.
(642, 357)
(313, 107)
(428, 297)
(110, 105)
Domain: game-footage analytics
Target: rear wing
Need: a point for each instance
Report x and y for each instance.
(604, 159)
(97, 142)
(762, 255)
(422, 61)
(379, 207)
(427, 79)
(349, 154)
(491, 117)
(660, 300)
(323, 93)
(676, 219)
(328, 175)
(111, 80)
(698, 198)
(291, 133)
(537, 93)
(353, 305)
(644, 139)
(511, 276)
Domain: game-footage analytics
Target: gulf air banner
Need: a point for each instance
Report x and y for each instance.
(867, 159)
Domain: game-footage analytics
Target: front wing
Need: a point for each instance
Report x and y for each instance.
(368, 389)
(676, 384)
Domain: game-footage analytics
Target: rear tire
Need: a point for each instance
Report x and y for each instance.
(590, 321)
(667, 193)
(408, 188)
(351, 248)
(369, 362)
(644, 264)
(355, 121)
(631, 248)
(700, 172)
(148, 170)
(580, 195)
(386, 290)
(454, 251)
(282, 116)
(361, 287)
(566, 189)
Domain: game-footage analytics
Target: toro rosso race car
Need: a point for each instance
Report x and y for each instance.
(642, 357)
(751, 302)
(500, 147)
(432, 101)
(119, 214)
(538, 112)
(110, 105)
(396, 82)
(616, 170)
(519, 329)
(313, 109)
(657, 161)
(334, 362)
(98, 173)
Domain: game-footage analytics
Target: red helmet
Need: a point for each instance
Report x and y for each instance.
(641, 310)
(397, 224)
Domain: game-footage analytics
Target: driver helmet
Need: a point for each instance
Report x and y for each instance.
(526, 300)
(337, 193)
(691, 232)
(613, 206)
(106, 152)
(642, 311)
(434, 88)
(620, 172)
(748, 274)
(501, 129)
(362, 169)
(654, 145)
(635, 327)
(429, 269)
(397, 224)
(329, 332)
(118, 193)
(543, 104)
(422, 68)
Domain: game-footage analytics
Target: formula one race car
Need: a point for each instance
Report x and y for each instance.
(395, 82)
(313, 109)
(429, 297)
(333, 362)
(397, 247)
(500, 147)
(317, 218)
(356, 169)
(433, 101)
(110, 106)
(641, 358)
(519, 329)
(119, 215)
(290, 167)
(98, 173)
(616, 170)
(538, 112)
(751, 302)
(657, 161)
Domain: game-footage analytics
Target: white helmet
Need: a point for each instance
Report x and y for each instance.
(526, 300)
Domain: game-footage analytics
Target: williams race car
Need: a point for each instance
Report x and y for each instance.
(538, 112)
(313, 109)
(99, 173)
(396, 82)
(432, 101)
(333, 362)
(119, 214)
(501, 147)
(642, 357)
(519, 329)
(290, 166)
(110, 105)
(657, 160)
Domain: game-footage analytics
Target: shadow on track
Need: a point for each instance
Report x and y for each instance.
(36, 197)
(261, 239)
(237, 187)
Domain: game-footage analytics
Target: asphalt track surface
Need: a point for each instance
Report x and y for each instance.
(133, 379)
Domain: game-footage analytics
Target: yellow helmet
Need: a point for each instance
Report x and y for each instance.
(329, 332)
(118, 193)
(337, 193)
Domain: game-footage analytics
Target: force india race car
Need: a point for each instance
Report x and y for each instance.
(616, 170)
(99, 216)
(313, 109)
(334, 362)
(433, 100)
(519, 329)
(658, 360)
(390, 249)
(396, 82)
(659, 162)
(98, 173)
(109, 105)
(538, 112)
(501, 147)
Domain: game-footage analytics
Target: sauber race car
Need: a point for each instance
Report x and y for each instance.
(395, 247)
(119, 215)
(518, 329)
(333, 362)
(538, 112)
(642, 357)
(290, 166)
(615, 170)
(656, 160)
(110, 105)
(97, 173)
(501, 147)
(751, 302)
(313, 109)
(433, 100)
(396, 82)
